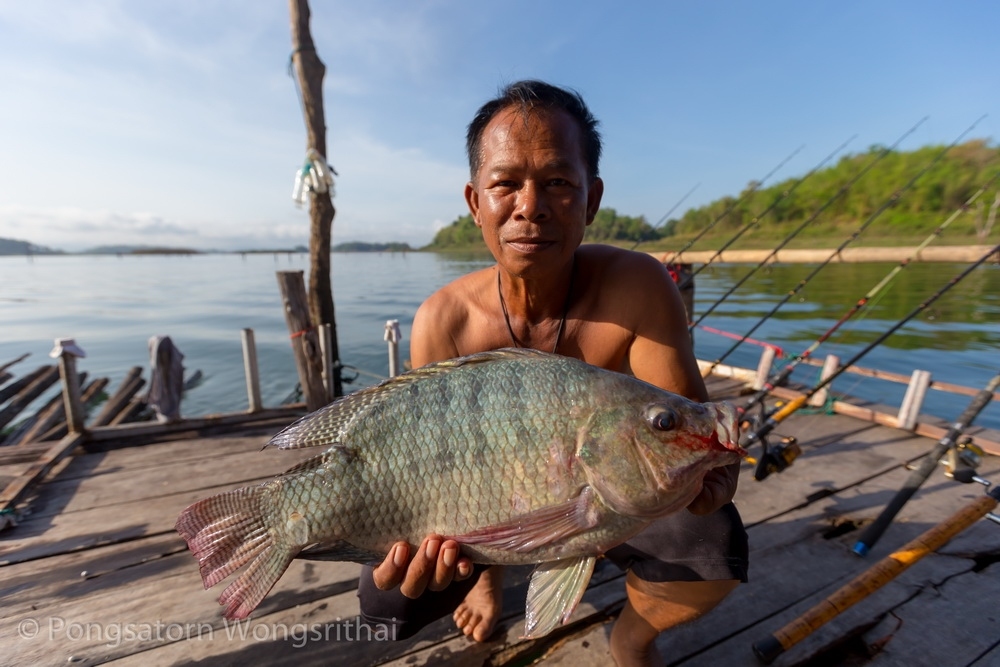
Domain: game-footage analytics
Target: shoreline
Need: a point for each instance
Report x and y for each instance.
(968, 253)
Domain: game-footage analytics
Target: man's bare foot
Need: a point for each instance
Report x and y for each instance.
(478, 614)
(633, 641)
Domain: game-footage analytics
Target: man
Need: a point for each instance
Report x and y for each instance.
(533, 155)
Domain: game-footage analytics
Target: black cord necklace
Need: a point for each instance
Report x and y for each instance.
(562, 322)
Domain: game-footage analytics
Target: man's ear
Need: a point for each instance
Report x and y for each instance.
(594, 195)
(472, 201)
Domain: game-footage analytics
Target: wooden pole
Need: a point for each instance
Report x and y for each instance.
(130, 385)
(72, 400)
(310, 72)
(32, 390)
(305, 338)
(250, 370)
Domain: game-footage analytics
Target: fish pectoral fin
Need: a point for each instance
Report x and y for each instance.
(554, 592)
(534, 529)
(341, 551)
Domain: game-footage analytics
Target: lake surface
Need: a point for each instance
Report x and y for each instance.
(112, 305)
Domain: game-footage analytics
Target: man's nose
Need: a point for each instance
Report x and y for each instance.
(532, 203)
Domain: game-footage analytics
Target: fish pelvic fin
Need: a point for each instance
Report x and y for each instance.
(540, 527)
(224, 533)
(554, 592)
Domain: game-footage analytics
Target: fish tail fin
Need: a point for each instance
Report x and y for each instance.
(227, 531)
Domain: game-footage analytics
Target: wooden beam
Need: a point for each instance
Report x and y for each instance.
(106, 433)
(14, 492)
(33, 390)
(868, 414)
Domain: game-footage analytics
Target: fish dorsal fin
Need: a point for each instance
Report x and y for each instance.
(327, 425)
(554, 592)
(337, 451)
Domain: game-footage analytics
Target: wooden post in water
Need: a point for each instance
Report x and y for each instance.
(913, 400)
(311, 70)
(250, 370)
(393, 336)
(830, 366)
(764, 368)
(67, 351)
(305, 338)
(329, 362)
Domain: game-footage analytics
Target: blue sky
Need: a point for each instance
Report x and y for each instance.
(176, 122)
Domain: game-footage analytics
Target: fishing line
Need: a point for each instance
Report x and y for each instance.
(847, 186)
(875, 529)
(756, 219)
(667, 214)
(870, 298)
(729, 210)
(893, 198)
(792, 406)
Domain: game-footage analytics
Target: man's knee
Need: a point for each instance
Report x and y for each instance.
(669, 603)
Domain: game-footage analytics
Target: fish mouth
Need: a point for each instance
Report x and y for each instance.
(727, 430)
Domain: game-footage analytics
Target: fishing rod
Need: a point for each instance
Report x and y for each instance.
(893, 198)
(785, 372)
(881, 573)
(874, 530)
(746, 194)
(756, 219)
(667, 214)
(777, 461)
(847, 186)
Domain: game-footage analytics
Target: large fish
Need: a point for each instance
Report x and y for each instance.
(520, 456)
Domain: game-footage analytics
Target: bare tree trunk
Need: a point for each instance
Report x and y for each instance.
(310, 71)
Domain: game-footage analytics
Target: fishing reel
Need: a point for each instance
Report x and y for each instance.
(962, 459)
(773, 457)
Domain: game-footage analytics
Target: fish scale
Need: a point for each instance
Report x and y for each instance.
(521, 456)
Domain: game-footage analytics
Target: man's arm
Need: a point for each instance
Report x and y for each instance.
(661, 354)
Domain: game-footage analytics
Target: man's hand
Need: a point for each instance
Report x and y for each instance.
(435, 564)
(718, 488)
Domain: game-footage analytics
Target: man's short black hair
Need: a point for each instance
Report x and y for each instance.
(529, 95)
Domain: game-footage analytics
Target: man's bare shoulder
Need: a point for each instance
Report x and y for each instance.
(454, 301)
(443, 321)
(620, 269)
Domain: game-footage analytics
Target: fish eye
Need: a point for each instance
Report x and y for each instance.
(662, 418)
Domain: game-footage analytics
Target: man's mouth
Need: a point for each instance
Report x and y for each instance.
(528, 245)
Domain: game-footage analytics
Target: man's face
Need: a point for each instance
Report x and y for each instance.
(532, 196)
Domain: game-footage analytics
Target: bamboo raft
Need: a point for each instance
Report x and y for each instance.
(94, 572)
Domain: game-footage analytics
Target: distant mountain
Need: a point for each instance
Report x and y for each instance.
(16, 247)
(358, 246)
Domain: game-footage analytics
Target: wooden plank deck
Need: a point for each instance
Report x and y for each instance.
(95, 573)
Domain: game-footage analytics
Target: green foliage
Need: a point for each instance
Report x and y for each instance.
(609, 226)
(461, 234)
(361, 246)
(939, 192)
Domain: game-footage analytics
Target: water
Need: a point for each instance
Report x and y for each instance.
(112, 305)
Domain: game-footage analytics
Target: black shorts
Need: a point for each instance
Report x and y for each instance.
(679, 547)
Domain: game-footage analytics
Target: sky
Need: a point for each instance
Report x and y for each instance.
(176, 123)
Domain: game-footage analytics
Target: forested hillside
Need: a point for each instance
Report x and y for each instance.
(939, 192)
